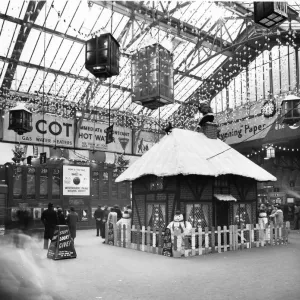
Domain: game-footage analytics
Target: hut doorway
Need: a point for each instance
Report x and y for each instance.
(222, 213)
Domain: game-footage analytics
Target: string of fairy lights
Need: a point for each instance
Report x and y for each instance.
(264, 148)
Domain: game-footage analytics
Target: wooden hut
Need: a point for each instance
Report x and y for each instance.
(210, 182)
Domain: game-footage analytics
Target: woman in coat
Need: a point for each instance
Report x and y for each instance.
(72, 219)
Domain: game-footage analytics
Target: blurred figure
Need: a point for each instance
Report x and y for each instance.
(112, 218)
(72, 220)
(49, 219)
(26, 273)
(278, 216)
(125, 220)
(272, 210)
(262, 216)
(98, 215)
(128, 208)
(60, 216)
(24, 220)
(103, 222)
(118, 211)
(296, 216)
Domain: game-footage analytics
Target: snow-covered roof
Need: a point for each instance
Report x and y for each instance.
(192, 153)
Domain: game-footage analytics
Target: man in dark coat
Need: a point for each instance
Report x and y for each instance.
(99, 215)
(61, 217)
(49, 219)
(72, 220)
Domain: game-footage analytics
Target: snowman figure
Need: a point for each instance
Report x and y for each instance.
(185, 227)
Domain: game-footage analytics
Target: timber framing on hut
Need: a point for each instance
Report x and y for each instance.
(208, 181)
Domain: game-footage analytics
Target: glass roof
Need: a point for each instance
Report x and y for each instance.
(52, 57)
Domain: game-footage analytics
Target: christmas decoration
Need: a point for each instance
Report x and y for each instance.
(121, 164)
(19, 154)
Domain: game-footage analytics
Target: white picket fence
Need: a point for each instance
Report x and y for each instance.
(199, 242)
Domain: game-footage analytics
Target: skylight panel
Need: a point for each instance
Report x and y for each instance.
(8, 38)
(76, 68)
(19, 73)
(3, 6)
(37, 82)
(78, 19)
(3, 68)
(72, 55)
(62, 54)
(81, 88)
(51, 51)
(27, 80)
(29, 45)
(41, 47)
(67, 15)
(14, 8)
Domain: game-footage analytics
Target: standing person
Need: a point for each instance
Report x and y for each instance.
(296, 216)
(278, 216)
(103, 221)
(61, 217)
(262, 216)
(111, 218)
(128, 208)
(118, 211)
(272, 211)
(72, 220)
(49, 219)
(98, 215)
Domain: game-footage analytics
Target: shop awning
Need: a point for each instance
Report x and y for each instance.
(223, 197)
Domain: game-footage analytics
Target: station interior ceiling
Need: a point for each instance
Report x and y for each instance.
(42, 51)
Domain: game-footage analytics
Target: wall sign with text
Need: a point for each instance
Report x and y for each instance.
(46, 130)
(92, 136)
(76, 181)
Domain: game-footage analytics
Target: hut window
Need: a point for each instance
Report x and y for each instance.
(156, 215)
(241, 214)
(221, 181)
(198, 214)
(156, 184)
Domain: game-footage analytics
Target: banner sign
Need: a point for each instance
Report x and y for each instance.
(244, 124)
(109, 134)
(46, 130)
(62, 245)
(144, 140)
(76, 181)
(280, 131)
(92, 136)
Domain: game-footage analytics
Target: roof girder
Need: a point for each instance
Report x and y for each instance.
(128, 8)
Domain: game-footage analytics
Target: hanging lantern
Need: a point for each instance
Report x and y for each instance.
(269, 14)
(102, 56)
(270, 152)
(290, 110)
(152, 77)
(20, 119)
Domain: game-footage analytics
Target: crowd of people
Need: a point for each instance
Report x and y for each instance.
(269, 213)
(111, 215)
(51, 218)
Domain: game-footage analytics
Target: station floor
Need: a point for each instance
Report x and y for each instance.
(106, 272)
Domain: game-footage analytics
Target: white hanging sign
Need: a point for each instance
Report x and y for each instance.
(76, 181)
(92, 136)
(46, 130)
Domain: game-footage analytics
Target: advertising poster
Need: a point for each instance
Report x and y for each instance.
(244, 124)
(37, 213)
(92, 136)
(76, 181)
(46, 130)
(144, 140)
